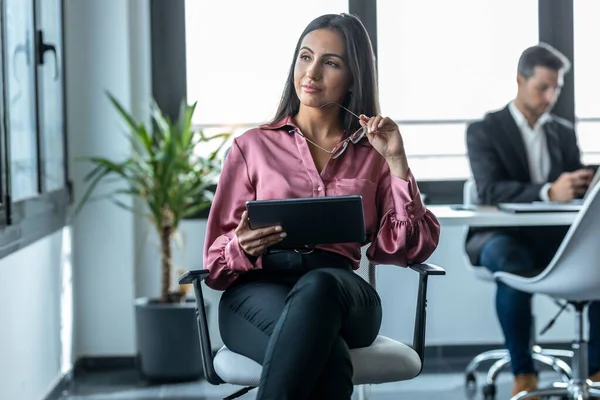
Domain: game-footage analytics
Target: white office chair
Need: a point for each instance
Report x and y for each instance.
(550, 357)
(386, 360)
(572, 275)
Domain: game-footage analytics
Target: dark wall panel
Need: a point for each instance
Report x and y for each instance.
(167, 19)
(556, 29)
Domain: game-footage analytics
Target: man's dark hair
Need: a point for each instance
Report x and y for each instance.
(363, 97)
(542, 55)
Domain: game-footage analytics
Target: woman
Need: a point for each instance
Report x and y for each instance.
(298, 312)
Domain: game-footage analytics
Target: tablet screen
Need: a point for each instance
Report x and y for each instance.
(311, 221)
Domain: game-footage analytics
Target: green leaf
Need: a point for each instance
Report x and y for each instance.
(161, 169)
(124, 114)
(196, 209)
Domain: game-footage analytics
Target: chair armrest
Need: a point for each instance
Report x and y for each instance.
(424, 270)
(428, 269)
(190, 276)
(195, 278)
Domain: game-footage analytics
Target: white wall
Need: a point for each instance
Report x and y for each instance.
(191, 257)
(35, 331)
(116, 254)
(187, 254)
(99, 46)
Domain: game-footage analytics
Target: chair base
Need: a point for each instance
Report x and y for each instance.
(549, 357)
(362, 392)
(575, 389)
(578, 387)
(239, 393)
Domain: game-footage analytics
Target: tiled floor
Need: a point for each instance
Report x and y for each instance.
(126, 385)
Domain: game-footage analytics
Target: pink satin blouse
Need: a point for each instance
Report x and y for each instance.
(270, 162)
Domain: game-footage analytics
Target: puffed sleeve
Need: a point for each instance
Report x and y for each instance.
(408, 232)
(223, 255)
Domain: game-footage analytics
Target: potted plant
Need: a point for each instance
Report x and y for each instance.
(173, 183)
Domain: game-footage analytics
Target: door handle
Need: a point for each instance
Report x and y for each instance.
(42, 49)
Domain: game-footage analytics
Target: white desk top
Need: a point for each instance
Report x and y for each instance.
(490, 216)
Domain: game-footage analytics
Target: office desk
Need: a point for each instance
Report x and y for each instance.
(487, 216)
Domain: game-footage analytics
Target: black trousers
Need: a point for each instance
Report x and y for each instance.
(298, 317)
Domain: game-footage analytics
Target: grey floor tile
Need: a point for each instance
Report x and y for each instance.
(432, 386)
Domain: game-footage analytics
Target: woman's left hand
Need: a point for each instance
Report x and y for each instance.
(384, 136)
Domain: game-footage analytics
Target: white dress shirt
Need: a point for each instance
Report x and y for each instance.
(536, 148)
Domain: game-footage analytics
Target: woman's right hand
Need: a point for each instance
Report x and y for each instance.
(253, 242)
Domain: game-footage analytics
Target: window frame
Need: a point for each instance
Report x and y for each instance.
(555, 22)
(28, 220)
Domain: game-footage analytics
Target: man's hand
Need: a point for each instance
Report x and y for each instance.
(570, 185)
(253, 242)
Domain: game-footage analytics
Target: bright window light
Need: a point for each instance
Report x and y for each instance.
(444, 63)
(587, 61)
(239, 53)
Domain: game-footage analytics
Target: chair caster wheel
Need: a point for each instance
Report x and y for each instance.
(470, 385)
(489, 392)
(470, 379)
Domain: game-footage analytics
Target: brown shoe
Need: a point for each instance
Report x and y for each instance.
(525, 382)
(595, 377)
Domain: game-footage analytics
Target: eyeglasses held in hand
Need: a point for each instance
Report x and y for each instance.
(341, 146)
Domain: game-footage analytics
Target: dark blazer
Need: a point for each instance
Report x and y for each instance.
(498, 160)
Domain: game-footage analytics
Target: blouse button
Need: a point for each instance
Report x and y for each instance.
(319, 188)
(412, 215)
(410, 208)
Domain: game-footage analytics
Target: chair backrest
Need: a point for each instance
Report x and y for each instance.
(470, 196)
(574, 272)
(366, 269)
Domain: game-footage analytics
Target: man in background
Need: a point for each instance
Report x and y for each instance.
(522, 154)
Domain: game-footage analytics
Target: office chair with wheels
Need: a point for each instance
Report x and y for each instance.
(386, 360)
(574, 276)
(500, 357)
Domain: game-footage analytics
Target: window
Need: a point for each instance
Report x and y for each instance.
(586, 30)
(20, 98)
(588, 133)
(238, 79)
(33, 171)
(51, 99)
(431, 154)
(587, 85)
(444, 63)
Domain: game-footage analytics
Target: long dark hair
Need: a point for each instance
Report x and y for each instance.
(363, 97)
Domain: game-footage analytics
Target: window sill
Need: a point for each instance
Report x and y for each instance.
(33, 219)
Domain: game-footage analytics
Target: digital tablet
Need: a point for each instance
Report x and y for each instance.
(539, 207)
(311, 221)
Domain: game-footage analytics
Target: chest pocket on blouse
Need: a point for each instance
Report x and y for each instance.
(368, 190)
